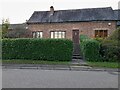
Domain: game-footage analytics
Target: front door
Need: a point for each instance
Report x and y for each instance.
(76, 46)
(75, 36)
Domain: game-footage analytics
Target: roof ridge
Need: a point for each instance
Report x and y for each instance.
(78, 9)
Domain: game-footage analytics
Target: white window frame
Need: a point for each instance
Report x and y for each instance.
(58, 34)
(37, 34)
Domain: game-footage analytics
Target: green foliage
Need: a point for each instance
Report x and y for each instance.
(0, 31)
(109, 43)
(99, 39)
(104, 64)
(90, 48)
(83, 37)
(106, 50)
(37, 49)
(110, 50)
(115, 35)
(5, 26)
(110, 53)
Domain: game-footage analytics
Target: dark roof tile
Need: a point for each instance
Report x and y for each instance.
(76, 15)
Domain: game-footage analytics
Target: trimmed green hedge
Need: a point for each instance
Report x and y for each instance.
(37, 49)
(90, 49)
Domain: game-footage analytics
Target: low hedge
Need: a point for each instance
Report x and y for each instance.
(37, 49)
(110, 53)
(90, 49)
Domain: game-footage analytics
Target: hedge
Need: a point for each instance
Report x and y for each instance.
(90, 49)
(37, 49)
(110, 53)
(110, 50)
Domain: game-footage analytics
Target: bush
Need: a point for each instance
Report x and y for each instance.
(110, 53)
(115, 35)
(90, 49)
(83, 37)
(37, 49)
(100, 40)
(109, 43)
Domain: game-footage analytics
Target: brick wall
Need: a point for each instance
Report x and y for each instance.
(87, 28)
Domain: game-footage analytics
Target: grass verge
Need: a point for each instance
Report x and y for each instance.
(104, 64)
(34, 62)
(92, 64)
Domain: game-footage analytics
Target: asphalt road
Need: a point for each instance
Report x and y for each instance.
(33, 78)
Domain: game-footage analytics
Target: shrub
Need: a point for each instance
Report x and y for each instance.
(83, 37)
(90, 49)
(115, 35)
(110, 53)
(109, 43)
(100, 40)
(37, 49)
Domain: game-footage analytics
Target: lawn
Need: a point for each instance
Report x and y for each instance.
(92, 64)
(34, 62)
(104, 64)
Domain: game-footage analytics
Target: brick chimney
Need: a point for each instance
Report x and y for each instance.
(51, 10)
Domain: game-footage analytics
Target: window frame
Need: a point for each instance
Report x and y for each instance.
(38, 34)
(101, 33)
(58, 34)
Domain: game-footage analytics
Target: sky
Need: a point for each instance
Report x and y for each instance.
(18, 11)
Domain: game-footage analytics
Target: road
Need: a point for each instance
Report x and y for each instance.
(33, 78)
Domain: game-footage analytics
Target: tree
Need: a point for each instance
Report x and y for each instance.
(5, 26)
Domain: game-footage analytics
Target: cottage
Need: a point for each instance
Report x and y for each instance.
(69, 24)
(17, 31)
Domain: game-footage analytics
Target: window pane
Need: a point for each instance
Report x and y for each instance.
(63, 34)
(96, 33)
(33, 34)
(105, 33)
(55, 34)
(52, 35)
(37, 34)
(41, 34)
(59, 35)
(101, 33)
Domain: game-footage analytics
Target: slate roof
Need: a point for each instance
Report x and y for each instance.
(117, 14)
(14, 26)
(75, 15)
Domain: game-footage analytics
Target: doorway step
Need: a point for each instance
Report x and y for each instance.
(77, 58)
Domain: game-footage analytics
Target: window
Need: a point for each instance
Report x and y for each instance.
(38, 34)
(101, 33)
(57, 34)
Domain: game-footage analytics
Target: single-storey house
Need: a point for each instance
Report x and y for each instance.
(17, 31)
(69, 24)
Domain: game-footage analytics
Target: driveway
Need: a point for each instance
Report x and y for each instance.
(35, 78)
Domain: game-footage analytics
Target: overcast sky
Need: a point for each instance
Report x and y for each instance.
(18, 11)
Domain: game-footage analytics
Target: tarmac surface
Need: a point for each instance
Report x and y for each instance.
(37, 78)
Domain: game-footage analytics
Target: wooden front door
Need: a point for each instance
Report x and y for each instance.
(75, 36)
